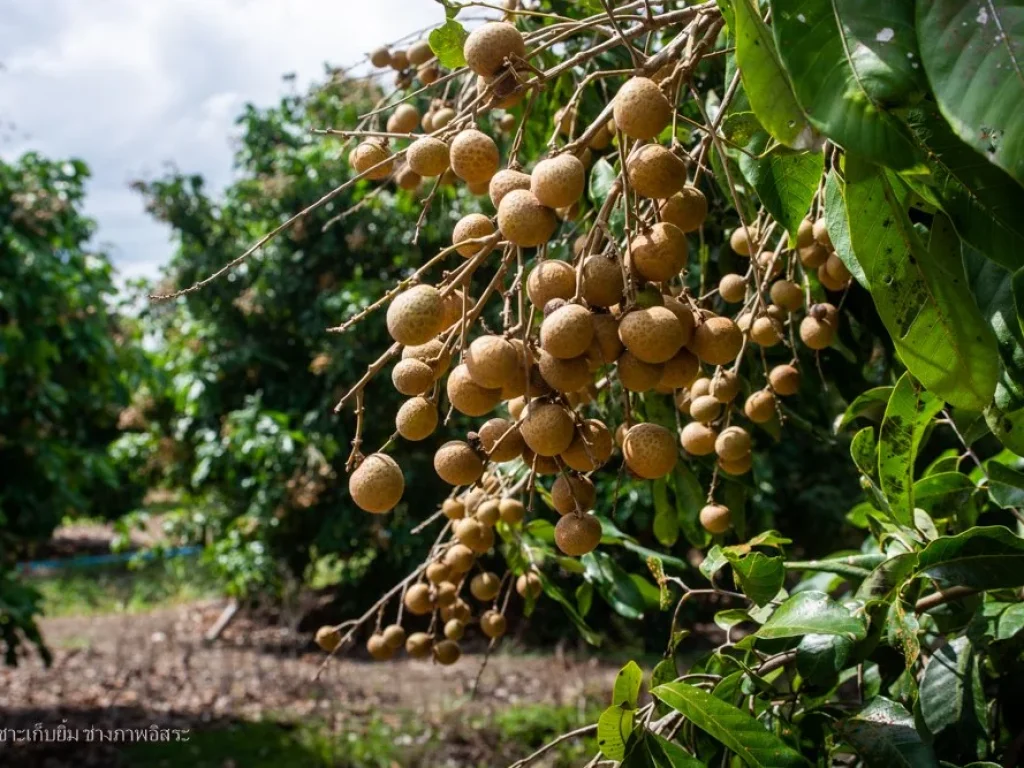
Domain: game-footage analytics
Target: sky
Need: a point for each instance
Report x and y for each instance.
(129, 86)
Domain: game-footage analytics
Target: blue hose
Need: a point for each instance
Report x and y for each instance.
(87, 561)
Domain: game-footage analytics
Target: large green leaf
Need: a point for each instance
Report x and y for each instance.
(689, 497)
(973, 54)
(911, 409)
(812, 612)
(649, 750)
(820, 658)
(613, 729)
(551, 590)
(921, 294)
(943, 488)
(883, 733)
(666, 518)
(986, 557)
(1005, 485)
(838, 101)
(765, 81)
(785, 181)
(949, 687)
(627, 686)
(870, 404)
(614, 584)
(839, 228)
(447, 42)
(733, 727)
(759, 576)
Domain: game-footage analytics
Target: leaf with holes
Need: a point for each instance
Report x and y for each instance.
(613, 729)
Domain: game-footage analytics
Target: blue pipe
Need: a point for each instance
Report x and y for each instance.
(86, 561)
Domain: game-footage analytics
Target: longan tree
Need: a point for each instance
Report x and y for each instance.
(675, 217)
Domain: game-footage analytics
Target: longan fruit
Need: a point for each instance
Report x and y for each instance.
(473, 534)
(504, 181)
(404, 119)
(416, 315)
(458, 464)
(576, 534)
(454, 629)
(372, 155)
(732, 443)
(813, 256)
(683, 313)
(742, 240)
(502, 91)
(416, 419)
(493, 624)
(828, 281)
(679, 371)
(655, 172)
(787, 295)
(573, 493)
(558, 181)
(698, 439)
(569, 375)
(507, 123)
(543, 465)
(652, 335)
(602, 280)
(490, 44)
(724, 386)
(716, 341)
(442, 117)
(764, 333)
(567, 332)
(649, 450)
(715, 518)
(419, 645)
(636, 375)
(419, 53)
(837, 269)
(399, 60)
(380, 57)
(547, 428)
(606, 335)
(682, 401)
(394, 636)
(438, 571)
(769, 265)
(378, 647)
(491, 360)
(528, 585)
(736, 467)
(377, 484)
(760, 406)
(821, 235)
(805, 234)
(412, 377)
(515, 407)
(640, 109)
(784, 380)
(428, 74)
(468, 397)
(524, 221)
(512, 511)
(459, 558)
(660, 253)
(418, 599)
(428, 156)
(701, 386)
(705, 409)
(447, 652)
(471, 227)
(328, 638)
(732, 288)
(590, 448)
(488, 513)
(817, 333)
(686, 209)
(453, 509)
(501, 440)
(474, 156)
(478, 188)
(406, 178)
(458, 610)
(432, 354)
(549, 280)
(484, 586)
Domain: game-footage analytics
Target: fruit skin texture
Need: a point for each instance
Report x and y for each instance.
(505, 181)
(418, 645)
(760, 407)
(377, 484)
(716, 341)
(550, 280)
(458, 464)
(474, 156)
(577, 535)
(816, 334)
(412, 377)
(558, 181)
(569, 375)
(394, 636)
(490, 44)
(468, 228)
(370, 154)
(380, 58)
(432, 354)
(590, 448)
(572, 493)
(784, 379)
(484, 586)
(511, 445)
(328, 638)
(404, 119)
(636, 375)
(493, 624)
(546, 428)
(680, 370)
(653, 335)
(567, 332)
(416, 419)
(428, 156)
(459, 558)
(416, 315)
(512, 511)
(686, 209)
(491, 360)
(715, 518)
(733, 443)
(732, 288)
(660, 253)
(378, 648)
(640, 109)
(447, 652)
(650, 451)
(523, 220)
(738, 466)
(419, 53)
(606, 334)
(602, 281)
(764, 333)
(813, 256)
(698, 439)
(418, 599)
(705, 409)
(655, 172)
(529, 585)
(724, 387)
(468, 397)
(740, 240)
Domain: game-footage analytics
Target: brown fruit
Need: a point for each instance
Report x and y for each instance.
(512, 511)
(760, 407)
(567, 332)
(577, 534)
(572, 493)
(724, 386)
(502, 91)
(602, 280)
(769, 265)
(475, 535)
(404, 119)
(328, 638)
(784, 379)
(550, 280)
(445, 594)
(679, 371)
(412, 377)
(528, 585)
(732, 288)
(816, 334)
(501, 440)
(716, 341)
(542, 465)
(416, 315)
(738, 466)
(705, 409)
(715, 518)
(376, 485)
(837, 269)
(701, 386)
(640, 109)
(447, 652)
(827, 280)
(493, 624)
(438, 571)
(698, 439)
(442, 117)
(636, 375)
(399, 60)
(764, 332)
(490, 44)
(820, 230)
(428, 156)
(686, 209)
(505, 181)
(491, 360)
(507, 123)
(660, 253)
(458, 464)
(558, 181)
(432, 353)
(378, 648)
(372, 155)
(733, 443)
(787, 295)
(474, 156)
(419, 645)
(418, 599)
(488, 513)
(524, 221)
(813, 256)
(394, 636)
(454, 629)
(484, 586)
(458, 610)
(650, 451)
(652, 335)
(515, 407)
(468, 397)
(419, 53)
(380, 58)
(416, 419)
(546, 428)
(453, 509)
(459, 558)
(407, 178)
(471, 227)
(742, 240)
(805, 234)
(655, 172)
(606, 334)
(590, 448)
(569, 375)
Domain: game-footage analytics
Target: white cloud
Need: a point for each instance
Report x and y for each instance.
(129, 86)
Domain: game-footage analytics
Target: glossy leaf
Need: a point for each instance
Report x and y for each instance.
(785, 181)
(613, 729)
(650, 750)
(551, 590)
(1005, 485)
(884, 735)
(870, 404)
(839, 232)
(812, 612)
(985, 557)
(689, 496)
(820, 658)
(947, 690)
(666, 519)
(627, 686)
(939, 488)
(864, 451)
(447, 42)
(760, 577)
(613, 584)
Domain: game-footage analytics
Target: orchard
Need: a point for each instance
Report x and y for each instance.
(676, 221)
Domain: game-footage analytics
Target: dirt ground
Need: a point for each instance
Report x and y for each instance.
(134, 671)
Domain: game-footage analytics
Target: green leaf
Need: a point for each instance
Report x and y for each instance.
(785, 181)
(839, 228)
(820, 658)
(836, 99)
(886, 579)
(812, 612)
(765, 81)
(552, 591)
(864, 451)
(883, 733)
(733, 727)
(943, 487)
(652, 751)
(985, 557)
(911, 409)
(1005, 485)
(996, 622)
(902, 630)
(614, 584)
(666, 519)
(602, 176)
(627, 686)
(447, 42)
(689, 495)
(946, 690)
(714, 560)
(972, 54)
(759, 576)
(613, 729)
(921, 295)
(584, 598)
(870, 404)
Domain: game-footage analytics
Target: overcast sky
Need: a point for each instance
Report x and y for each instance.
(129, 85)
